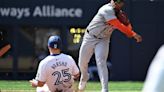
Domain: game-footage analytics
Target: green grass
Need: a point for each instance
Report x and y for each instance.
(24, 86)
(116, 86)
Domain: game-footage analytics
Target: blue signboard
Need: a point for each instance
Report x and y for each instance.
(59, 12)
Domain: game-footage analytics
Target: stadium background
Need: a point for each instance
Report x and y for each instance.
(28, 33)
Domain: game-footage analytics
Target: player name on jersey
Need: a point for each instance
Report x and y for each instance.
(56, 64)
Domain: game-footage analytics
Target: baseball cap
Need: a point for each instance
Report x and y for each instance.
(55, 42)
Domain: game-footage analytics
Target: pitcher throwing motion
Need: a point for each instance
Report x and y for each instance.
(97, 37)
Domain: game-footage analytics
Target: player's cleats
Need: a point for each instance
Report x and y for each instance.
(82, 85)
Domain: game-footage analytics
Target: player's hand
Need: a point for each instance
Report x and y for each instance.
(33, 83)
(76, 77)
(138, 38)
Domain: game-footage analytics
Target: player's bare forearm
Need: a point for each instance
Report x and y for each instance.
(76, 77)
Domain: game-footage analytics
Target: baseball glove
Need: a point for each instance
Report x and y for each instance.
(122, 17)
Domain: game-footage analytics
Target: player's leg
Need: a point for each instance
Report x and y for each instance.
(101, 54)
(86, 51)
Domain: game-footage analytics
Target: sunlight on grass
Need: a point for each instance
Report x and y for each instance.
(24, 86)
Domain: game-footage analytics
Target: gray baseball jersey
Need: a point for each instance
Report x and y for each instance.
(98, 25)
(96, 40)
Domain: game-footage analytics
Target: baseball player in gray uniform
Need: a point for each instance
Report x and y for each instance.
(56, 73)
(96, 40)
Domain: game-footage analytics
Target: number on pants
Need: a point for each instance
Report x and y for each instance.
(64, 73)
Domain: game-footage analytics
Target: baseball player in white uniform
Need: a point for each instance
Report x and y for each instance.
(155, 78)
(96, 40)
(56, 73)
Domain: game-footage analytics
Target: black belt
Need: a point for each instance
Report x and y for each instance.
(93, 35)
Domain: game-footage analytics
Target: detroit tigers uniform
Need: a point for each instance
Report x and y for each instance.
(96, 40)
(57, 72)
(155, 78)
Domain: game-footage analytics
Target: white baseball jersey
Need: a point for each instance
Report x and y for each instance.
(155, 78)
(98, 26)
(57, 71)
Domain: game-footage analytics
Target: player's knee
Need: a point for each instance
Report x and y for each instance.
(101, 63)
(80, 64)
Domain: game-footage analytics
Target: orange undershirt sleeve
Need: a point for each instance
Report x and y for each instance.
(4, 49)
(124, 29)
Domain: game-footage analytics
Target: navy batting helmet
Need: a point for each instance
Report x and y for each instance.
(55, 42)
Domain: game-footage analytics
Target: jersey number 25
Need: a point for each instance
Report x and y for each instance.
(62, 75)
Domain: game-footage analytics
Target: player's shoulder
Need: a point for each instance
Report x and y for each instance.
(66, 56)
(45, 60)
(107, 8)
